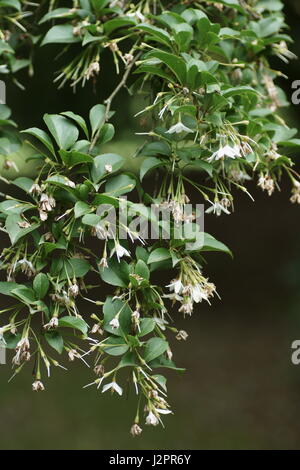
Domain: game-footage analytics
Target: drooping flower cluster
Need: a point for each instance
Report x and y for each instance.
(213, 124)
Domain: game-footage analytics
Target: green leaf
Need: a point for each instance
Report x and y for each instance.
(75, 267)
(6, 288)
(73, 322)
(155, 347)
(91, 219)
(147, 325)
(209, 243)
(55, 340)
(163, 362)
(115, 346)
(23, 183)
(120, 184)
(98, 169)
(42, 136)
(149, 164)
(159, 254)
(128, 360)
(117, 274)
(57, 13)
(14, 207)
(111, 309)
(25, 294)
(79, 120)
(80, 209)
(173, 62)
(60, 34)
(156, 34)
(14, 4)
(72, 158)
(238, 91)
(112, 25)
(183, 35)
(14, 231)
(63, 131)
(97, 117)
(141, 269)
(106, 134)
(41, 285)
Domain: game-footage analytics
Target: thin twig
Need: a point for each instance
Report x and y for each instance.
(109, 100)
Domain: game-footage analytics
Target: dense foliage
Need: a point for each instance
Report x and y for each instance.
(203, 70)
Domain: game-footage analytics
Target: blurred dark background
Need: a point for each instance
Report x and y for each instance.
(240, 390)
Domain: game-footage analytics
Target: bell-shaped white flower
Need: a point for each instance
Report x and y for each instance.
(114, 387)
(114, 323)
(151, 419)
(226, 151)
(217, 208)
(198, 294)
(178, 128)
(176, 286)
(120, 251)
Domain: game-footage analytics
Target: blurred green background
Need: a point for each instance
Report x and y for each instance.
(240, 390)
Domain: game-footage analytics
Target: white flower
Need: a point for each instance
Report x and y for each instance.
(114, 387)
(163, 412)
(53, 323)
(38, 386)
(239, 176)
(92, 70)
(108, 168)
(114, 323)
(73, 290)
(120, 251)
(47, 203)
(176, 286)
(182, 335)
(267, 184)
(295, 198)
(186, 308)
(178, 128)
(135, 430)
(160, 323)
(217, 208)
(198, 294)
(35, 189)
(226, 151)
(151, 419)
(103, 263)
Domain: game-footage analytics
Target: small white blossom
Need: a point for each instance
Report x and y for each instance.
(53, 323)
(38, 386)
(114, 323)
(182, 335)
(135, 430)
(217, 208)
(226, 151)
(198, 294)
(103, 263)
(295, 198)
(178, 128)
(151, 419)
(108, 168)
(92, 70)
(120, 251)
(114, 387)
(176, 286)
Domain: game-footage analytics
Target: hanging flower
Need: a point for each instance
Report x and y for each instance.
(226, 151)
(114, 387)
(178, 128)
